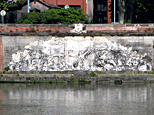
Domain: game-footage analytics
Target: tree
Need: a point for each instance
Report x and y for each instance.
(130, 9)
(53, 16)
(143, 11)
(4, 4)
(138, 11)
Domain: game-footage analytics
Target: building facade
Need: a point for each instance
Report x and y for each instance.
(76, 4)
(16, 12)
(99, 11)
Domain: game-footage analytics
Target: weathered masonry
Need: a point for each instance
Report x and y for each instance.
(54, 48)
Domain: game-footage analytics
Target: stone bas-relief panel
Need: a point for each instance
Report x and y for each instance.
(78, 53)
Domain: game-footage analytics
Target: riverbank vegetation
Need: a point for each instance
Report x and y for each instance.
(77, 73)
(77, 77)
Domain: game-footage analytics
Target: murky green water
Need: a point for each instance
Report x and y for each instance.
(62, 99)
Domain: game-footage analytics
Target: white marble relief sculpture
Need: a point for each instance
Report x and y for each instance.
(61, 55)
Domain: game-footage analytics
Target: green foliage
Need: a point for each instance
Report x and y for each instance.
(7, 68)
(123, 75)
(74, 79)
(53, 16)
(143, 11)
(92, 74)
(49, 81)
(137, 11)
(84, 82)
(29, 18)
(17, 74)
(1, 74)
(118, 82)
(127, 22)
(32, 79)
(5, 3)
(151, 72)
(100, 72)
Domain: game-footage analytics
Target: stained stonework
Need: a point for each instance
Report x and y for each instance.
(79, 28)
(78, 53)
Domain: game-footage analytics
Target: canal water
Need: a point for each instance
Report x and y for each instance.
(72, 99)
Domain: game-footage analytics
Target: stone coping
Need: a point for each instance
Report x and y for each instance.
(110, 78)
(35, 25)
(88, 25)
(74, 34)
(66, 30)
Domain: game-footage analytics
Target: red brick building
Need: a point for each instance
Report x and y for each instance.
(76, 4)
(98, 10)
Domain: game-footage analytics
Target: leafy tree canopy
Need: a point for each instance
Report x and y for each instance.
(53, 16)
(138, 11)
(4, 4)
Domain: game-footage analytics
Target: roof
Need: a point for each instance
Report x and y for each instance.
(20, 5)
(48, 5)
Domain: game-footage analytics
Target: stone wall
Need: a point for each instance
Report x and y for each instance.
(86, 53)
(29, 47)
(65, 78)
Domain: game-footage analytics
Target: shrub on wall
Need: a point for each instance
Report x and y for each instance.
(53, 16)
(31, 18)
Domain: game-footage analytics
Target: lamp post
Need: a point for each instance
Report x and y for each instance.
(27, 6)
(114, 12)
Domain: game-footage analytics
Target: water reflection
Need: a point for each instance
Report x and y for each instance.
(1, 101)
(63, 99)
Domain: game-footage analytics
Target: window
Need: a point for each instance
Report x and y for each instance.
(100, 11)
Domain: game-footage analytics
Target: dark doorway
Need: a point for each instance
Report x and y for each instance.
(100, 11)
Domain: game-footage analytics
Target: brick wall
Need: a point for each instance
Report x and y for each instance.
(34, 28)
(53, 28)
(121, 29)
(1, 55)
